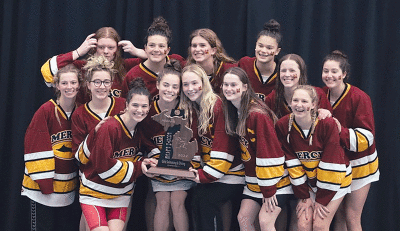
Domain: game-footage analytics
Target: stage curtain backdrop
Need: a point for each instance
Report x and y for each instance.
(366, 30)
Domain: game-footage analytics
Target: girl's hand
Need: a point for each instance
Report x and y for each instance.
(338, 124)
(270, 203)
(196, 173)
(302, 207)
(149, 162)
(88, 44)
(128, 47)
(324, 113)
(100, 123)
(320, 210)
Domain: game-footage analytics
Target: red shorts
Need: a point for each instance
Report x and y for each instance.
(97, 216)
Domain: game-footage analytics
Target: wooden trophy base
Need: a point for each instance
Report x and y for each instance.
(172, 172)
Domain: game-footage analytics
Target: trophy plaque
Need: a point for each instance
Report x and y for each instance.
(177, 149)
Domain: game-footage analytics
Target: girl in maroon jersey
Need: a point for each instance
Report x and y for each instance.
(107, 42)
(353, 110)
(115, 161)
(219, 168)
(207, 51)
(51, 175)
(157, 47)
(170, 191)
(262, 69)
(267, 187)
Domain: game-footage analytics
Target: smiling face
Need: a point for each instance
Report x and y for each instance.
(192, 86)
(168, 87)
(68, 85)
(233, 89)
(302, 104)
(138, 107)
(107, 47)
(332, 74)
(101, 92)
(289, 73)
(157, 48)
(266, 49)
(201, 50)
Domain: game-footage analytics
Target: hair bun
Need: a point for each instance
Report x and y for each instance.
(159, 23)
(272, 26)
(174, 65)
(339, 53)
(137, 83)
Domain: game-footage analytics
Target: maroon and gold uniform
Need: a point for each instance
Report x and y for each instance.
(263, 158)
(51, 66)
(83, 122)
(261, 88)
(315, 159)
(216, 78)
(149, 77)
(114, 164)
(354, 111)
(51, 176)
(220, 153)
(322, 102)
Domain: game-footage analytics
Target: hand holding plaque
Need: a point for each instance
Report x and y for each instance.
(177, 150)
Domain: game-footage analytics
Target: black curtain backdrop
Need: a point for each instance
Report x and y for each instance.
(367, 31)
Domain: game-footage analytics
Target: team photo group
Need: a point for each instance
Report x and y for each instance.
(273, 152)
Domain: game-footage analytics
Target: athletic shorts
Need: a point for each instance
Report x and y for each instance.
(97, 216)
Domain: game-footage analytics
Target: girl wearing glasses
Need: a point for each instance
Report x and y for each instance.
(115, 162)
(99, 77)
(106, 42)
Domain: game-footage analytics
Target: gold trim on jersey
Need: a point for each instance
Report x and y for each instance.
(62, 112)
(92, 113)
(212, 79)
(126, 130)
(59, 186)
(344, 93)
(148, 71)
(258, 74)
(299, 130)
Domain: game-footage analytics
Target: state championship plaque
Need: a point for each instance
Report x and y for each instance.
(177, 150)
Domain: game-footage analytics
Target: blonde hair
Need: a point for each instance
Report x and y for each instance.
(98, 63)
(314, 99)
(70, 68)
(208, 99)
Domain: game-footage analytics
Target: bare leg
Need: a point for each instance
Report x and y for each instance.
(354, 204)
(268, 219)
(249, 210)
(83, 226)
(339, 222)
(161, 216)
(116, 225)
(323, 224)
(180, 216)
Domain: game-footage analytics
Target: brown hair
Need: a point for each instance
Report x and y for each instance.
(343, 61)
(271, 29)
(280, 89)
(70, 68)
(119, 64)
(212, 39)
(236, 124)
